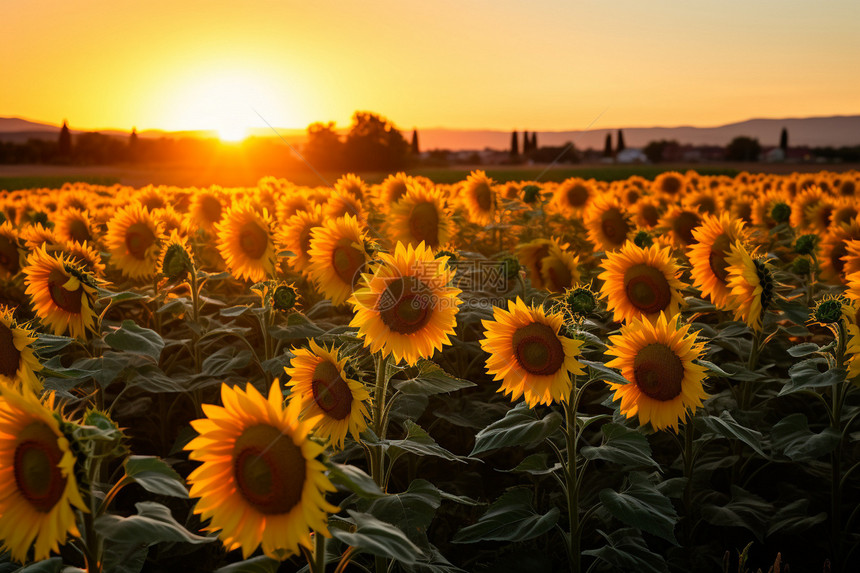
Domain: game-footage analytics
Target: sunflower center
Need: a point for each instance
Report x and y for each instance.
(347, 261)
(649, 214)
(37, 475)
(405, 305)
(659, 372)
(269, 469)
(717, 257)
(839, 251)
(210, 208)
(68, 300)
(557, 272)
(9, 256)
(396, 191)
(79, 232)
(577, 195)
(647, 288)
(671, 185)
(538, 349)
(484, 197)
(424, 224)
(138, 238)
(10, 357)
(253, 240)
(331, 392)
(683, 226)
(614, 226)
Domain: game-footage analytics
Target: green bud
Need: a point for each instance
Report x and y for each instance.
(801, 266)
(511, 267)
(643, 239)
(452, 257)
(177, 262)
(805, 244)
(284, 298)
(781, 212)
(828, 311)
(531, 193)
(581, 301)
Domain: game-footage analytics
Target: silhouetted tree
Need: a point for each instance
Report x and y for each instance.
(527, 144)
(65, 143)
(743, 149)
(415, 150)
(654, 150)
(534, 144)
(324, 149)
(607, 146)
(783, 140)
(515, 144)
(619, 146)
(373, 142)
(133, 146)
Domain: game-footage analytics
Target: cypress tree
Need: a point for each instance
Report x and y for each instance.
(526, 142)
(415, 142)
(515, 144)
(619, 146)
(534, 145)
(65, 144)
(607, 147)
(783, 140)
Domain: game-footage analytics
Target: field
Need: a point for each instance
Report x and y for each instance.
(607, 369)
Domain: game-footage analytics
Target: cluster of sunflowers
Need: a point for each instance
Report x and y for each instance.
(268, 354)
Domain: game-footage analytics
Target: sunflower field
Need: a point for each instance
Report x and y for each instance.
(639, 375)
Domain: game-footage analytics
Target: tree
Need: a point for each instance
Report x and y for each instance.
(133, 145)
(415, 150)
(374, 143)
(607, 147)
(655, 149)
(534, 144)
(65, 149)
(526, 142)
(515, 144)
(619, 146)
(743, 149)
(323, 149)
(783, 140)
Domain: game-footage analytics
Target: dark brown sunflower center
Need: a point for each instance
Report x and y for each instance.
(210, 208)
(36, 470)
(424, 224)
(68, 300)
(347, 260)
(9, 258)
(671, 185)
(405, 306)
(647, 288)
(79, 231)
(269, 469)
(253, 240)
(658, 372)
(538, 349)
(138, 238)
(558, 274)
(331, 392)
(683, 226)
(484, 197)
(717, 257)
(10, 357)
(396, 191)
(744, 210)
(650, 215)
(577, 195)
(839, 251)
(615, 227)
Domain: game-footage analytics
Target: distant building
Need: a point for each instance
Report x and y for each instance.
(631, 155)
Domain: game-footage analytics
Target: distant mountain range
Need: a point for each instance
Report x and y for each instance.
(812, 131)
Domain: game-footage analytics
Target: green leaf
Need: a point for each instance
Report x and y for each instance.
(225, 360)
(124, 557)
(135, 339)
(744, 510)
(643, 506)
(354, 479)
(152, 524)
(520, 426)
(411, 511)
(713, 369)
(234, 311)
(50, 343)
(536, 465)
(52, 565)
(804, 349)
(509, 518)
(806, 375)
(114, 297)
(623, 446)
(155, 476)
(261, 564)
(418, 441)
(599, 371)
(625, 550)
(794, 519)
(792, 438)
(377, 537)
(726, 426)
(430, 380)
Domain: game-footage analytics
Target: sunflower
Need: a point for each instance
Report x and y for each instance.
(407, 307)
(834, 250)
(17, 361)
(246, 242)
(260, 481)
(529, 355)
(12, 253)
(206, 209)
(62, 294)
(607, 223)
(176, 260)
(420, 217)
(572, 196)
(559, 269)
(37, 235)
(680, 224)
(295, 235)
(132, 239)
(708, 256)
(326, 394)
(658, 360)
(641, 282)
(751, 285)
(670, 183)
(647, 213)
(803, 205)
(394, 188)
(74, 225)
(340, 204)
(337, 256)
(851, 258)
(479, 198)
(85, 256)
(38, 489)
(531, 255)
(845, 211)
(351, 185)
(291, 203)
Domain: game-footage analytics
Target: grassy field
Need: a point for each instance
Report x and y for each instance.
(51, 181)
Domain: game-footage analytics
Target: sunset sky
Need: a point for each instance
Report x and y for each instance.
(546, 65)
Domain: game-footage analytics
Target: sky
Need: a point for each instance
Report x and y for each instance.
(539, 65)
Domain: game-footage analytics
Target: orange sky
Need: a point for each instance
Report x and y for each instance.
(546, 65)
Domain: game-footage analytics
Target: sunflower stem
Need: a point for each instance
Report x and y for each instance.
(572, 478)
(319, 553)
(688, 475)
(836, 455)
